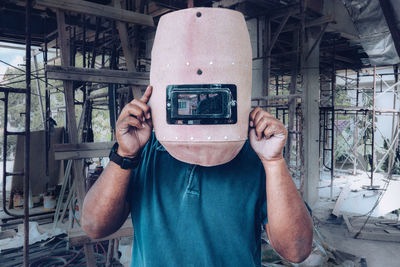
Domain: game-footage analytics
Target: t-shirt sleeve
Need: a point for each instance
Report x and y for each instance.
(136, 171)
(130, 185)
(263, 198)
(264, 215)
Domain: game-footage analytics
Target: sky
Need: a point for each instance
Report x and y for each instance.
(11, 56)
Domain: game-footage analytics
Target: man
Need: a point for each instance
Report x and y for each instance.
(198, 192)
(289, 226)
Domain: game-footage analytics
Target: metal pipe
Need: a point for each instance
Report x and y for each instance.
(396, 78)
(6, 92)
(355, 135)
(333, 88)
(39, 93)
(373, 130)
(5, 150)
(27, 130)
(47, 107)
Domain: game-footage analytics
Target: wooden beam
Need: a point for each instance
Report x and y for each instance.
(72, 127)
(85, 7)
(276, 13)
(97, 75)
(378, 233)
(316, 22)
(391, 22)
(82, 150)
(340, 58)
(227, 3)
(130, 53)
(277, 33)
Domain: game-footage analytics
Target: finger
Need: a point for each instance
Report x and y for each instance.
(144, 107)
(129, 121)
(259, 116)
(253, 115)
(276, 128)
(270, 131)
(254, 112)
(131, 109)
(146, 96)
(253, 136)
(261, 126)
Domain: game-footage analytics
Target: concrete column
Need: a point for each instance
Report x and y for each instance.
(256, 29)
(310, 106)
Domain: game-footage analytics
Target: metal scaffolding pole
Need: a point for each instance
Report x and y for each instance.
(395, 123)
(355, 138)
(333, 89)
(27, 129)
(373, 129)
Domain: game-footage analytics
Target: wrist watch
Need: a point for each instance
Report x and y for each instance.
(124, 162)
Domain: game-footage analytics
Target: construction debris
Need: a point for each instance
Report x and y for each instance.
(322, 255)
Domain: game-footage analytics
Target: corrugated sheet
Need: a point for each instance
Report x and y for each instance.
(372, 28)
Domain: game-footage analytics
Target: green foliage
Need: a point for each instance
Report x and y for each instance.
(17, 105)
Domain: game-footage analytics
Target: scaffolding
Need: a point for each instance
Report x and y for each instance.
(351, 128)
(101, 63)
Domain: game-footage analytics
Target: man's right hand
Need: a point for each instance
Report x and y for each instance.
(106, 205)
(134, 126)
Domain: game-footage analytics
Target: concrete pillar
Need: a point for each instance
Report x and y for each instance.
(311, 87)
(256, 29)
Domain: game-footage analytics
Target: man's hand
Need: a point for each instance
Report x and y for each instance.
(105, 207)
(267, 135)
(134, 126)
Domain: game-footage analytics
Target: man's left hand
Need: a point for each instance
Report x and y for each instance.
(267, 135)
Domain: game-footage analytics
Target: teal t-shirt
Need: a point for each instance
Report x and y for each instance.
(189, 215)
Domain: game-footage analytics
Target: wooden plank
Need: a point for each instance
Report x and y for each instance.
(72, 127)
(130, 53)
(78, 237)
(97, 75)
(82, 154)
(82, 146)
(277, 33)
(375, 235)
(392, 231)
(82, 151)
(379, 236)
(315, 22)
(7, 233)
(98, 10)
(348, 224)
(50, 44)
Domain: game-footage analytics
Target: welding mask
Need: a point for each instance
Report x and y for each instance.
(201, 78)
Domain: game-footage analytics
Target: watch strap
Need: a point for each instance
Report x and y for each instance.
(124, 162)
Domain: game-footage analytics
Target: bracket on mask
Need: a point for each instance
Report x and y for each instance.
(201, 104)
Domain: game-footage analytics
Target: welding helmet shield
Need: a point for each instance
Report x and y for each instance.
(201, 78)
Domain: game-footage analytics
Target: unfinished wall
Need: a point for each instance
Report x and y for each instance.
(37, 160)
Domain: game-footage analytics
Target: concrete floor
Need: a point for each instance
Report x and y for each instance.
(376, 253)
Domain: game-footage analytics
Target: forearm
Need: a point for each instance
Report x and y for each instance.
(289, 223)
(105, 206)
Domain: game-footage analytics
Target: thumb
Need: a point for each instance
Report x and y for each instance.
(253, 136)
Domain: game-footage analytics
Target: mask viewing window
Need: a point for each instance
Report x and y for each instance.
(201, 104)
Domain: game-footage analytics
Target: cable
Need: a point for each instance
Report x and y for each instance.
(369, 213)
(71, 260)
